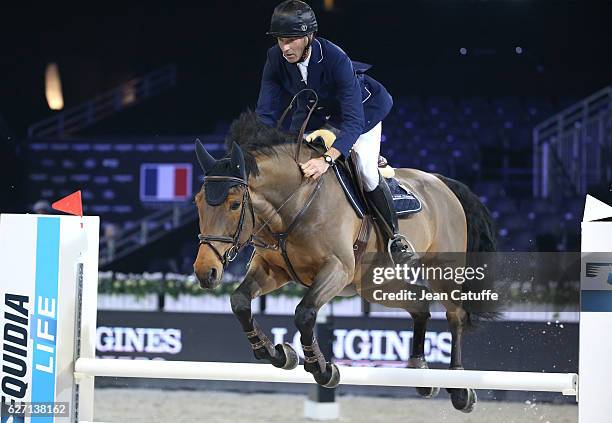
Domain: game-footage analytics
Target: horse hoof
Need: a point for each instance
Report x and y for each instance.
(291, 358)
(420, 363)
(334, 378)
(428, 392)
(464, 399)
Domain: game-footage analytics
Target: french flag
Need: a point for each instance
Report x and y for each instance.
(165, 182)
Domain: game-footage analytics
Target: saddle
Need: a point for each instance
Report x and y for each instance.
(404, 201)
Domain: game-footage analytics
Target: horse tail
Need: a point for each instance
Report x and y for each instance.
(480, 226)
(480, 238)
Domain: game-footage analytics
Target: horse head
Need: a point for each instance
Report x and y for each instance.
(221, 204)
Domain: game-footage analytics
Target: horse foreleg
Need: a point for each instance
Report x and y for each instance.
(257, 282)
(328, 283)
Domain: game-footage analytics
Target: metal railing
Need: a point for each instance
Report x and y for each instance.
(146, 231)
(104, 105)
(573, 149)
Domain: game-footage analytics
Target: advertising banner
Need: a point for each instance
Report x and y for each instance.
(358, 341)
(42, 256)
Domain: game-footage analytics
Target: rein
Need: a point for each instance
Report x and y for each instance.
(305, 124)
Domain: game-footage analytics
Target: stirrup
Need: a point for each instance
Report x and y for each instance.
(406, 246)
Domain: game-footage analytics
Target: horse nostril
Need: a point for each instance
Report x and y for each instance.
(213, 274)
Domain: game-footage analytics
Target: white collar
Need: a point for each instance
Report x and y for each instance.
(305, 62)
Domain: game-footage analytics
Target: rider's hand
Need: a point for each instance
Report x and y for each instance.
(314, 168)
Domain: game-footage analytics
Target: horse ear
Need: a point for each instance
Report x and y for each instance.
(237, 161)
(204, 158)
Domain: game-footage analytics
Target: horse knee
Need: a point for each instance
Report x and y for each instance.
(241, 304)
(305, 317)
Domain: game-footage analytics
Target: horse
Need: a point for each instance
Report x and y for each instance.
(304, 230)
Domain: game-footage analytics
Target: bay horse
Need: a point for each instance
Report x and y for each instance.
(304, 230)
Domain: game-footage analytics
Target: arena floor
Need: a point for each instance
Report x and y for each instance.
(148, 405)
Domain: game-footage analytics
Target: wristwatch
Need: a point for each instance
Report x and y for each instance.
(328, 159)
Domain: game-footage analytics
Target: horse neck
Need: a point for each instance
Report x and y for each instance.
(279, 177)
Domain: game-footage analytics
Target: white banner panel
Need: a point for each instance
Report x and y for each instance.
(595, 367)
(42, 259)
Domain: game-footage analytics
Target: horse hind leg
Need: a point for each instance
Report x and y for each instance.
(417, 355)
(463, 399)
(281, 355)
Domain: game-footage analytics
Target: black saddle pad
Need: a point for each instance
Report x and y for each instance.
(404, 201)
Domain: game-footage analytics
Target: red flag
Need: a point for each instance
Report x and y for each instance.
(71, 204)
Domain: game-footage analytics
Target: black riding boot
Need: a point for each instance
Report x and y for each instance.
(381, 202)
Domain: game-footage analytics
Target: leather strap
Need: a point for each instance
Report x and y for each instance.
(282, 236)
(232, 252)
(300, 137)
(257, 333)
(316, 354)
(359, 248)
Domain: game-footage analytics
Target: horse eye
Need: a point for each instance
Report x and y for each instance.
(235, 205)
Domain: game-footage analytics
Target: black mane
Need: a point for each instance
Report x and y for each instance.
(255, 138)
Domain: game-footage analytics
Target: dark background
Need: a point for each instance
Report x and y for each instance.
(220, 50)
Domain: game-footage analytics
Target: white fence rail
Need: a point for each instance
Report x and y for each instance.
(565, 383)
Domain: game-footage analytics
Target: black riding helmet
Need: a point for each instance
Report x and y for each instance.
(292, 18)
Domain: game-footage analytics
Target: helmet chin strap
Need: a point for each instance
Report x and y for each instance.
(307, 48)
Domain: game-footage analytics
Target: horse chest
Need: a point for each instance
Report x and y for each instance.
(305, 270)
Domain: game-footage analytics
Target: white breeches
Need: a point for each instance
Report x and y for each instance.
(367, 149)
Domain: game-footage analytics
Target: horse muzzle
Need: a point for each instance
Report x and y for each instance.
(208, 279)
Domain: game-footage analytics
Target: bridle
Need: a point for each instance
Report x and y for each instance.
(280, 237)
(232, 252)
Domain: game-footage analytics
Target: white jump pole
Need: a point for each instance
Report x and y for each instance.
(565, 383)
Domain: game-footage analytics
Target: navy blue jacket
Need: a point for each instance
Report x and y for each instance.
(349, 100)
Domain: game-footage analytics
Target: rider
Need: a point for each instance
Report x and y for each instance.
(349, 101)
